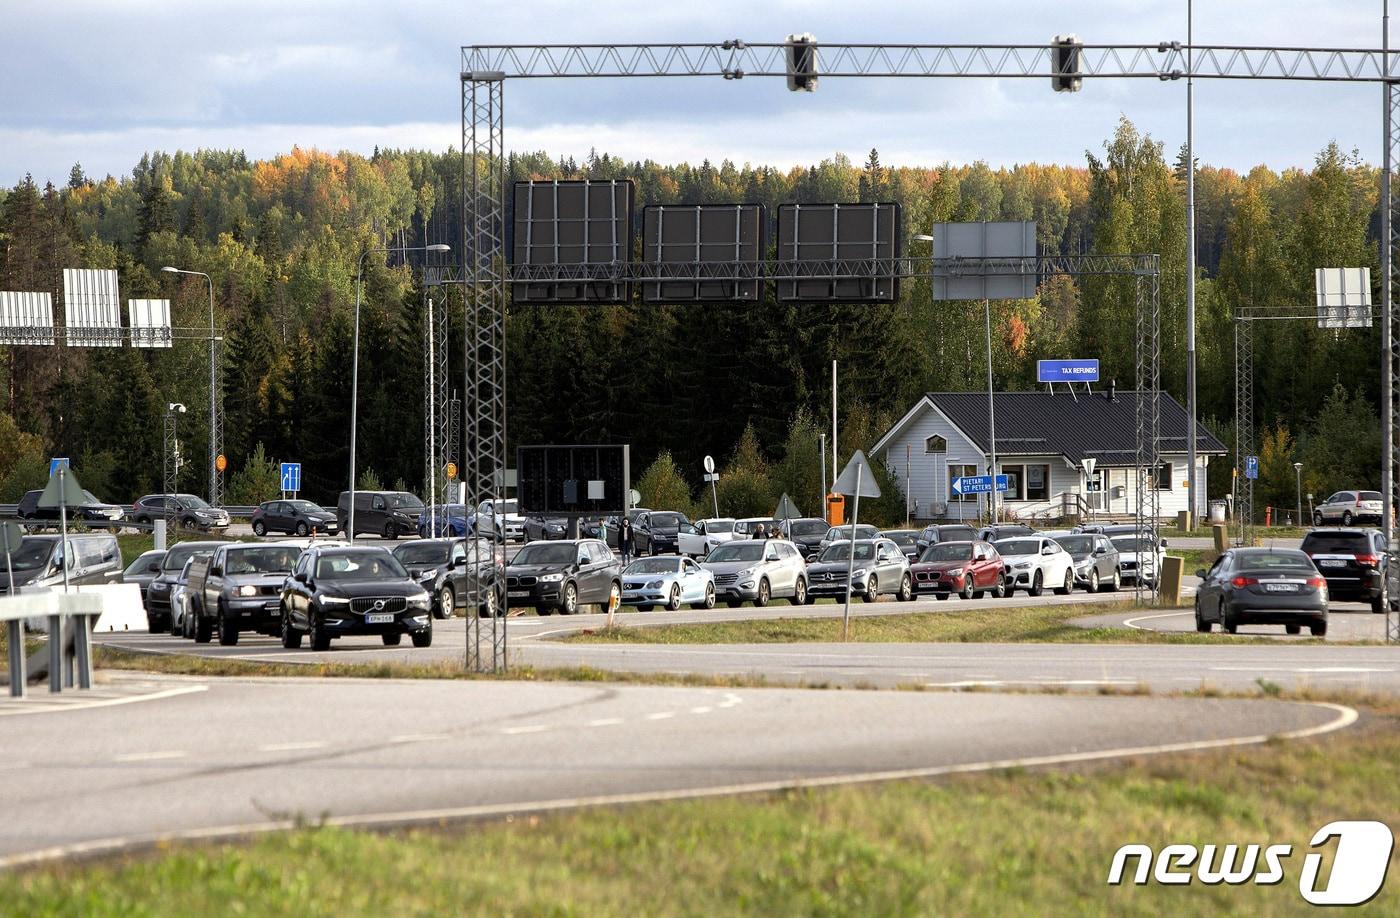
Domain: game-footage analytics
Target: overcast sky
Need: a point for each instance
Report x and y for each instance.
(101, 81)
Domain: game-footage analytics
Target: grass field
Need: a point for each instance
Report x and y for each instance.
(1041, 624)
(1007, 843)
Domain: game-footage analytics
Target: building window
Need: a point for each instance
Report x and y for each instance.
(1164, 477)
(955, 472)
(1015, 482)
(1037, 482)
(935, 444)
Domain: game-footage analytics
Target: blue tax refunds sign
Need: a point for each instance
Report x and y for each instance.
(1067, 371)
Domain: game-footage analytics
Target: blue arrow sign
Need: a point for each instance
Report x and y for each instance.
(58, 463)
(291, 476)
(1251, 466)
(1067, 371)
(979, 484)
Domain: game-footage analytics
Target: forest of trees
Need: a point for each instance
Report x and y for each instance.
(281, 239)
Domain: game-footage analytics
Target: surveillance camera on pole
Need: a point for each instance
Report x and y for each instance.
(1065, 53)
(802, 62)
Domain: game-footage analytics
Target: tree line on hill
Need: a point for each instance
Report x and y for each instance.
(281, 239)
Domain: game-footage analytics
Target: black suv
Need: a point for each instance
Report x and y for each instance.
(91, 511)
(657, 532)
(186, 511)
(339, 591)
(807, 534)
(158, 593)
(563, 575)
(944, 532)
(1354, 563)
(441, 566)
(294, 517)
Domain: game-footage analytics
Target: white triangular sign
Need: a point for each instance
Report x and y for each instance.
(846, 482)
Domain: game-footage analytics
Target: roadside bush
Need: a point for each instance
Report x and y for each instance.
(663, 488)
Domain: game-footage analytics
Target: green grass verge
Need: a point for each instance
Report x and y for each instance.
(1007, 843)
(1204, 532)
(1037, 624)
(1194, 559)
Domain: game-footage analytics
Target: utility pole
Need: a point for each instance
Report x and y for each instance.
(1190, 281)
(991, 415)
(834, 447)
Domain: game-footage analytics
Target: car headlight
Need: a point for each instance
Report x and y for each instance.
(421, 601)
(860, 573)
(334, 600)
(1022, 565)
(653, 585)
(427, 575)
(956, 572)
(551, 578)
(246, 590)
(159, 587)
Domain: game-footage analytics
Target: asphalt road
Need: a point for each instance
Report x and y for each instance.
(1347, 622)
(251, 755)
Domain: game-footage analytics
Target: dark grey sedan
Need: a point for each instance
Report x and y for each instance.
(1269, 586)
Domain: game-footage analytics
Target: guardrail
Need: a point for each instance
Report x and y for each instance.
(70, 646)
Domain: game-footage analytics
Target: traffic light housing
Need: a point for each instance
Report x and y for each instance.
(1065, 51)
(802, 62)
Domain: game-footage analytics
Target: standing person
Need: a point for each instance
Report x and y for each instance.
(603, 530)
(759, 532)
(624, 538)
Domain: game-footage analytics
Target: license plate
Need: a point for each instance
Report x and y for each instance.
(1280, 588)
(379, 618)
(518, 594)
(1333, 562)
(271, 607)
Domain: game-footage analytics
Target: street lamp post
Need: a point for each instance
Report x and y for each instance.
(1298, 471)
(215, 492)
(355, 360)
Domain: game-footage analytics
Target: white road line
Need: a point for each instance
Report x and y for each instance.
(291, 747)
(1130, 622)
(605, 722)
(101, 703)
(661, 715)
(967, 683)
(1303, 669)
(1345, 718)
(150, 756)
(419, 738)
(532, 728)
(701, 710)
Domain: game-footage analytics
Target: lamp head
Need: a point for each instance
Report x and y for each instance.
(922, 237)
(169, 270)
(438, 247)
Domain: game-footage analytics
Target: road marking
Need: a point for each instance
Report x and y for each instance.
(101, 703)
(1303, 669)
(290, 747)
(605, 722)
(701, 710)
(533, 728)
(1130, 622)
(968, 683)
(150, 756)
(661, 715)
(418, 738)
(1345, 718)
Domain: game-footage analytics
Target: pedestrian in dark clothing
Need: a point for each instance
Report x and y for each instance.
(624, 539)
(759, 532)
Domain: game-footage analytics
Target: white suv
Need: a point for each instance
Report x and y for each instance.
(1349, 507)
(757, 571)
(1035, 562)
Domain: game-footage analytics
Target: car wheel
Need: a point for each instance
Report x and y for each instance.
(966, 592)
(765, 593)
(570, 602)
(291, 638)
(1068, 588)
(176, 627)
(1037, 584)
(203, 627)
(259, 528)
(999, 590)
(1346, 518)
(872, 589)
(1317, 517)
(391, 532)
(799, 593)
(1202, 625)
(1094, 580)
(1379, 604)
(1228, 621)
(487, 607)
(186, 627)
(709, 601)
(1293, 629)
(1318, 629)
(320, 640)
(391, 640)
(303, 530)
(906, 589)
(1117, 580)
(228, 631)
(446, 601)
(673, 602)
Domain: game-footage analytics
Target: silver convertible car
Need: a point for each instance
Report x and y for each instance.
(668, 581)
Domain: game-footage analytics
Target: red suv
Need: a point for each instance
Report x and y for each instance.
(970, 569)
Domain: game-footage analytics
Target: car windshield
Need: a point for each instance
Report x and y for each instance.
(842, 552)
(1076, 545)
(268, 559)
(1018, 546)
(807, 527)
(666, 520)
(178, 554)
(901, 538)
(405, 501)
(948, 551)
(507, 507)
(653, 566)
(744, 551)
(305, 506)
(423, 552)
(453, 509)
(32, 554)
(553, 553)
(717, 526)
(844, 532)
(141, 565)
(360, 565)
(1132, 543)
(1346, 543)
(1274, 560)
(192, 502)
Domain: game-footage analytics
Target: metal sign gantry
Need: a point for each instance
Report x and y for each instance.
(485, 69)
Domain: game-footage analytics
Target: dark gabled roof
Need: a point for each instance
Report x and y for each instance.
(1074, 426)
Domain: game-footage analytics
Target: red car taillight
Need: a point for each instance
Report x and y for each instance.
(1317, 583)
(1367, 560)
(1244, 581)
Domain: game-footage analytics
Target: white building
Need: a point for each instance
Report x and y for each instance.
(1042, 440)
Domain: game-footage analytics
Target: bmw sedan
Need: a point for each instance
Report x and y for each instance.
(1266, 586)
(668, 582)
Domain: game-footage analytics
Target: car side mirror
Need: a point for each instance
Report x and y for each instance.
(771, 556)
(584, 559)
(301, 578)
(1201, 573)
(1047, 550)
